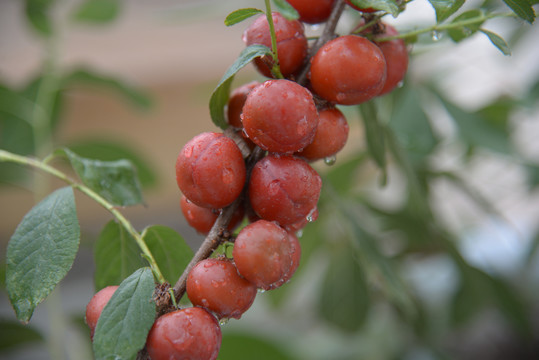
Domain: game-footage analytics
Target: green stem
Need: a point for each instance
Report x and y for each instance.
(276, 70)
(8, 156)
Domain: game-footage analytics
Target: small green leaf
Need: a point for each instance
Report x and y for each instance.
(460, 33)
(219, 97)
(243, 346)
(374, 134)
(116, 256)
(124, 324)
(41, 251)
(116, 180)
(241, 14)
(390, 6)
(498, 41)
(169, 249)
(97, 11)
(38, 13)
(445, 8)
(523, 8)
(14, 334)
(286, 9)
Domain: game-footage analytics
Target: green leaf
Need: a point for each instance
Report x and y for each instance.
(342, 175)
(374, 134)
(219, 97)
(243, 346)
(41, 251)
(445, 8)
(116, 256)
(460, 33)
(14, 334)
(104, 150)
(91, 78)
(124, 324)
(523, 8)
(37, 13)
(344, 299)
(241, 14)
(390, 6)
(169, 249)
(97, 11)
(498, 41)
(116, 181)
(532, 172)
(286, 9)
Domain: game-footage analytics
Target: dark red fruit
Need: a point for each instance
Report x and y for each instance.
(284, 189)
(236, 101)
(348, 70)
(291, 43)
(202, 219)
(210, 170)
(280, 116)
(216, 285)
(330, 138)
(292, 228)
(264, 254)
(296, 256)
(396, 55)
(187, 334)
(312, 11)
(96, 305)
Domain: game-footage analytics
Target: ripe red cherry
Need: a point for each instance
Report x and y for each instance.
(291, 43)
(348, 70)
(264, 254)
(202, 219)
(284, 189)
(216, 285)
(236, 101)
(330, 138)
(191, 333)
(396, 55)
(312, 11)
(210, 170)
(280, 116)
(96, 306)
(367, 10)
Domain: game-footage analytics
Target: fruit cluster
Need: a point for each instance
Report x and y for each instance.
(290, 121)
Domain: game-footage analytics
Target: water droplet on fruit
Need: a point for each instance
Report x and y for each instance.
(227, 175)
(435, 35)
(274, 187)
(299, 233)
(260, 290)
(310, 216)
(330, 160)
(223, 321)
(188, 152)
(400, 84)
(302, 126)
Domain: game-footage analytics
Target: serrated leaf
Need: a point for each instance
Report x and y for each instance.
(37, 13)
(41, 251)
(498, 41)
(445, 8)
(287, 10)
(523, 8)
(169, 249)
(116, 181)
(244, 346)
(460, 33)
(219, 97)
(125, 321)
(239, 15)
(116, 256)
(374, 135)
(14, 334)
(389, 6)
(97, 11)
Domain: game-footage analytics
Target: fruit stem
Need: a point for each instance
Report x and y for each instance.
(276, 70)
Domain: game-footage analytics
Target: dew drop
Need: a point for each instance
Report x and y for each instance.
(302, 126)
(274, 187)
(299, 233)
(188, 152)
(435, 35)
(260, 290)
(223, 321)
(400, 84)
(227, 175)
(330, 160)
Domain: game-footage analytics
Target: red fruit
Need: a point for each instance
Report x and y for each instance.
(236, 101)
(202, 219)
(264, 254)
(291, 43)
(312, 11)
(284, 189)
(330, 138)
(280, 116)
(96, 306)
(187, 334)
(296, 256)
(396, 55)
(348, 70)
(210, 170)
(292, 228)
(216, 285)
(367, 10)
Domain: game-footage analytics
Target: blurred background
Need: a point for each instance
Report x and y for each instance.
(439, 263)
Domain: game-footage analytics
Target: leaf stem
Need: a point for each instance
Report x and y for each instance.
(276, 70)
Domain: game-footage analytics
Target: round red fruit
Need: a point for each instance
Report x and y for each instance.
(312, 11)
(291, 43)
(348, 70)
(187, 334)
(284, 189)
(264, 254)
(216, 285)
(396, 55)
(236, 101)
(210, 170)
(202, 219)
(96, 306)
(280, 116)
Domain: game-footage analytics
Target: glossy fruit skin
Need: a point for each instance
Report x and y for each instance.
(264, 254)
(216, 285)
(210, 170)
(296, 256)
(187, 334)
(284, 189)
(280, 116)
(96, 306)
(312, 11)
(348, 70)
(291, 43)
(202, 219)
(292, 228)
(235, 103)
(331, 136)
(396, 55)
